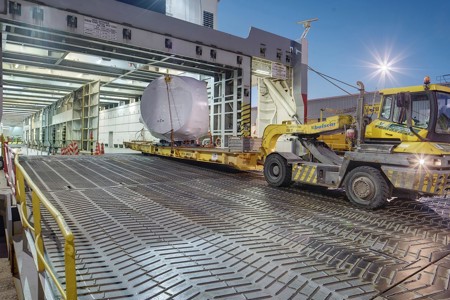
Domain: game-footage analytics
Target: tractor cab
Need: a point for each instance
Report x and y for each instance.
(412, 114)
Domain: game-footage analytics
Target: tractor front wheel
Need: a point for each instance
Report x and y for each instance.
(366, 187)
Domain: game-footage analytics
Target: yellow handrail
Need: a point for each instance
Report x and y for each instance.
(39, 198)
(23, 214)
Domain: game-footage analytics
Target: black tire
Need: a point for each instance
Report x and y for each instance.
(276, 171)
(406, 194)
(366, 187)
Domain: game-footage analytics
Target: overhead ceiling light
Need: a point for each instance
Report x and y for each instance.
(28, 93)
(6, 86)
(109, 101)
(262, 72)
(114, 97)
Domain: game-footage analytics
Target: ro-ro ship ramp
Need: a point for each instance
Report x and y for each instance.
(154, 228)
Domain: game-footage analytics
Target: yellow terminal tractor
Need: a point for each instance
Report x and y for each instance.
(405, 151)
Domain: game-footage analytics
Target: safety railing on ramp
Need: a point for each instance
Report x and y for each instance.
(8, 166)
(23, 184)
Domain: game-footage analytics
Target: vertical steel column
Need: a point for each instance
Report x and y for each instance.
(211, 84)
(242, 81)
(303, 114)
(222, 108)
(217, 128)
(235, 102)
(91, 143)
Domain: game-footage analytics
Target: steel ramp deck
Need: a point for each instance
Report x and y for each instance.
(152, 228)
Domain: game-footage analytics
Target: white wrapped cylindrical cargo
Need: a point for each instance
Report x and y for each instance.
(179, 103)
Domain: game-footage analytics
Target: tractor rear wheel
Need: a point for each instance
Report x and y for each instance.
(366, 187)
(277, 172)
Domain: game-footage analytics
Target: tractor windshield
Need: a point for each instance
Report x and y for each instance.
(420, 110)
(443, 115)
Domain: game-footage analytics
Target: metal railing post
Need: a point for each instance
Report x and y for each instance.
(38, 229)
(69, 259)
(20, 191)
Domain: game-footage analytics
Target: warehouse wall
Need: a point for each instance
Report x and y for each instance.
(338, 104)
(120, 124)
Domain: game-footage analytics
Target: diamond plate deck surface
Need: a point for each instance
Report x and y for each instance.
(154, 228)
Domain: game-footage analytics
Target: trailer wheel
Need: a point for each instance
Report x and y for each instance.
(365, 187)
(276, 171)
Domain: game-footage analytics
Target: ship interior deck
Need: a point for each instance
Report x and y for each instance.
(148, 227)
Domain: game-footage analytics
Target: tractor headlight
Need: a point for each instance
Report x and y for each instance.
(437, 162)
(424, 161)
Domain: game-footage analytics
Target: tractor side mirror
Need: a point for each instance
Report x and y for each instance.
(404, 102)
(402, 99)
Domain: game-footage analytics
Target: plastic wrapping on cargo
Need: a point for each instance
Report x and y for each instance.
(181, 104)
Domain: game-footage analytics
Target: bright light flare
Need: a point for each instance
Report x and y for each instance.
(385, 66)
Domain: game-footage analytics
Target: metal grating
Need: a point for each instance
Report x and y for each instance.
(154, 228)
(208, 19)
